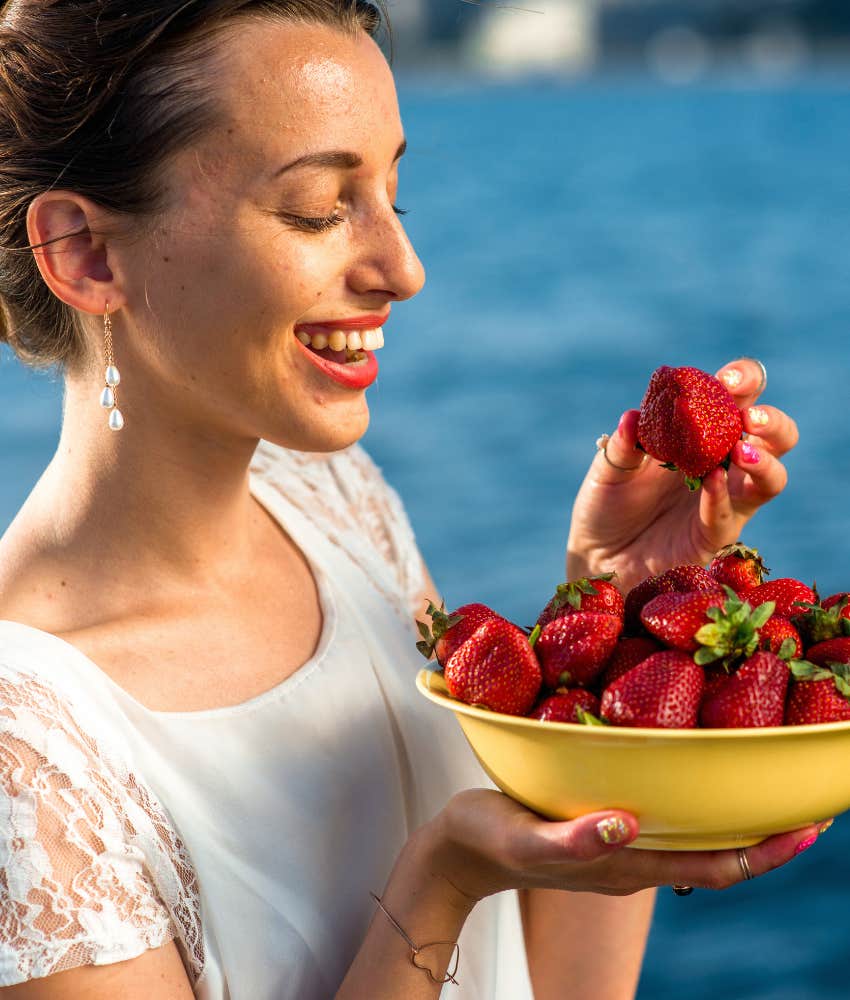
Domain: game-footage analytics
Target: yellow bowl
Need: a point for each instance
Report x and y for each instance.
(691, 789)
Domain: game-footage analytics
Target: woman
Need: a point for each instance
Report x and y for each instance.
(211, 746)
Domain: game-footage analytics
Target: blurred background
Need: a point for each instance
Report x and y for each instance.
(598, 187)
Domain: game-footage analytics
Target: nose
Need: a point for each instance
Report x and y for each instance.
(385, 262)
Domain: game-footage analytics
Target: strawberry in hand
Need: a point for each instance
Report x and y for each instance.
(689, 422)
(635, 518)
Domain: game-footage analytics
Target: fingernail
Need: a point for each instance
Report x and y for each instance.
(757, 416)
(825, 826)
(750, 454)
(732, 378)
(804, 845)
(612, 830)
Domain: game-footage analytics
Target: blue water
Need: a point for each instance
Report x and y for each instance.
(575, 238)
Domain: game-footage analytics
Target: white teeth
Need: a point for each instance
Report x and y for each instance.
(337, 341)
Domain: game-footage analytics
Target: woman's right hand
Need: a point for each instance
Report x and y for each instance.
(484, 842)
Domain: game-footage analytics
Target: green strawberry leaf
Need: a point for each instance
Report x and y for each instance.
(588, 718)
(804, 670)
(706, 654)
(709, 635)
(426, 649)
(693, 483)
(535, 635)
(424, 631)
(762, 613)
(787, 649)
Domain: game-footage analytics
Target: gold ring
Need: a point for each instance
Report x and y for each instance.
(745, 864)
(683, 890)
(602, 445)
(763, 383)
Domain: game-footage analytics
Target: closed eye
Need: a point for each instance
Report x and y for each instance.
(322, 223)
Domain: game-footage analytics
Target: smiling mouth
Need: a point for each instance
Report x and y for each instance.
(343, 346)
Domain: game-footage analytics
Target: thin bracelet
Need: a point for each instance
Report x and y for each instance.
(416, 951)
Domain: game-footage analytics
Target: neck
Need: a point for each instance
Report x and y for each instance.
(158, 495)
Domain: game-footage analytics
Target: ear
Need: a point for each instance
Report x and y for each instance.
(72, 251)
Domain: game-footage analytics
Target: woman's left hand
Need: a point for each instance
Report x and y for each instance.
(640, 520)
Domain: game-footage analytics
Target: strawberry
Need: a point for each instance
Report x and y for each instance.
(830, 651)
(628, 653)
(688, 421)
(675, 619)
(777, 630)
(841, 601)
(689, 578)
(733, 632)
(563, 705)
(827, 620)
(662, 692)
(738, 567)
(753, 696)
(715, 676)
(786, 593)
(495, 667)
(818, 694)
(449, 632)
(574, 649)
(678, 580)
(595, 593)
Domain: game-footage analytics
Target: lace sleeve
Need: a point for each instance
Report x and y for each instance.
(75, 884)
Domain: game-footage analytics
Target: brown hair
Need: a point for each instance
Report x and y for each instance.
(94, 96)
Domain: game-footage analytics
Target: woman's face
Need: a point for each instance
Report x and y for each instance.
(280, 229)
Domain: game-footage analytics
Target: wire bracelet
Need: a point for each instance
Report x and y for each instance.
(416, 951)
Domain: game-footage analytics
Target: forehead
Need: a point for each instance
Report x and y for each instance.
(286, 89)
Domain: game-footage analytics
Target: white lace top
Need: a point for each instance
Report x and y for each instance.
(253, 833)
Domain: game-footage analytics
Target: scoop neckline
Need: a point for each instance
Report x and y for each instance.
(327, 606)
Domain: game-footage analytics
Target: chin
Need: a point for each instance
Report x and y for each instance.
(323, 436)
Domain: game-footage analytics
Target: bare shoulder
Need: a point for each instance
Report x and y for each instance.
(157, 974)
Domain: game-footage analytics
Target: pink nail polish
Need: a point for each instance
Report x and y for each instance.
(804, 845)
(750, 454)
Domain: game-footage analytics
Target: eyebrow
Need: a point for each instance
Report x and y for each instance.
(336, 158)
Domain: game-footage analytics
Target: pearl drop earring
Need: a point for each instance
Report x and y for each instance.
(109, 396)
